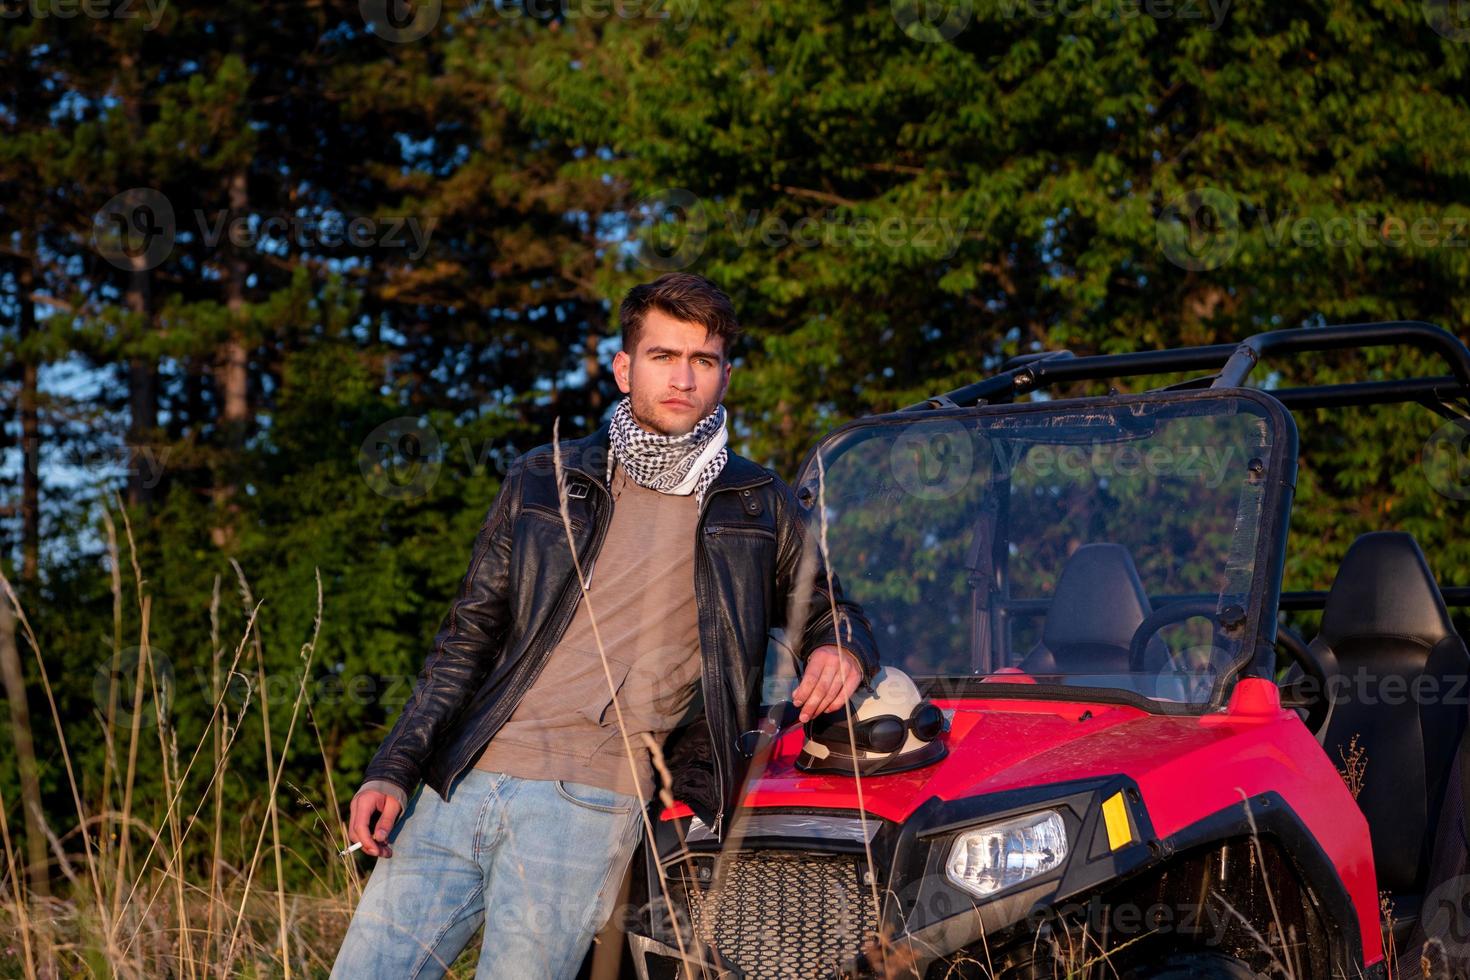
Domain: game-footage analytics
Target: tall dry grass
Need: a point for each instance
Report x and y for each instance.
(125, 901)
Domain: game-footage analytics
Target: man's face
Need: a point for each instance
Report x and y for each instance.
(677, 375)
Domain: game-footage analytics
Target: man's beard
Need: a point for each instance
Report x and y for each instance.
(645, 415)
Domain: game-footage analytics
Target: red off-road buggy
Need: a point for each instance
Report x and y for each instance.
(1146, 774)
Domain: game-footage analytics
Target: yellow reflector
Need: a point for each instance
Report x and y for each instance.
(1115, 815)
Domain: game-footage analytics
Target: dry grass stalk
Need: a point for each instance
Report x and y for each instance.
(887, 953)
(93, 874)
(308, 651)
(628, 750)
(1293, 968)
(1354, 765)
(1385, 915)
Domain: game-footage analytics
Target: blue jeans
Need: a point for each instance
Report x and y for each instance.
(539, 863)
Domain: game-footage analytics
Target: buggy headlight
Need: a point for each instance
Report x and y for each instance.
(1006, 853)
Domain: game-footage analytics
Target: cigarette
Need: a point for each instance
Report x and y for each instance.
(350, 849)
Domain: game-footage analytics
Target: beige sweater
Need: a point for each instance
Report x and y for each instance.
(642, 598)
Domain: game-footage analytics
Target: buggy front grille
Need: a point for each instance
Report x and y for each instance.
(778, 914)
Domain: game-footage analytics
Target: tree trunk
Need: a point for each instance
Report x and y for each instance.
(142, 396)
(233, 377)
(30, 435)
(38, 859)
(592, 366)
(12, 673)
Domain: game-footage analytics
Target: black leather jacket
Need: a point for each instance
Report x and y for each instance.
(520, 592)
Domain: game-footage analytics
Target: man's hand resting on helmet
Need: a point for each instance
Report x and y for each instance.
(830, 677)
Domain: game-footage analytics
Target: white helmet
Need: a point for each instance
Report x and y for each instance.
(892, 729)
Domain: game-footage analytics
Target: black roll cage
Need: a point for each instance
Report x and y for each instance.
(1229, 366)
(1233, 363)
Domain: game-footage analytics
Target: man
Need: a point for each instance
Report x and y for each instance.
(533, 715)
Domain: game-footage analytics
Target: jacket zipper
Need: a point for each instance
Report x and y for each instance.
(711, 665)
(755, 532)
(712, 662)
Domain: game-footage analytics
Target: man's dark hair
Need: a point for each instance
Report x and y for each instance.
(683, 296)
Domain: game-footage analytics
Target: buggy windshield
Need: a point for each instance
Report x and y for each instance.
(1040, 544)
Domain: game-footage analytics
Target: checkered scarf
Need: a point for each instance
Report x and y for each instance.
(669, 464)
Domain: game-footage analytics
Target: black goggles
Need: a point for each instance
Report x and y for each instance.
(887, 733)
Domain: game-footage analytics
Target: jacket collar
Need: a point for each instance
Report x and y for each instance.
(588, 456)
